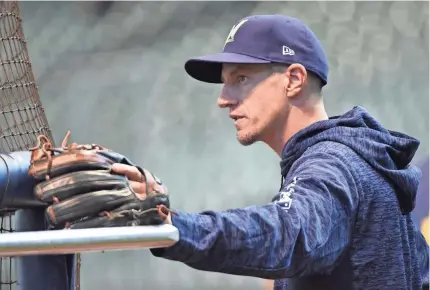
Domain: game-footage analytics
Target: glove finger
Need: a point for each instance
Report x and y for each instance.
(99, 222)
(87, 204)
(69, 162)
(134, 213)
(151, 202)
(71, 184)
(121, 219)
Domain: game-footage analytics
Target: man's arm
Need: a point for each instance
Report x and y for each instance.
(304, 231)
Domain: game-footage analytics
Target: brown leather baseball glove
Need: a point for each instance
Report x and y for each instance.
(77, 183)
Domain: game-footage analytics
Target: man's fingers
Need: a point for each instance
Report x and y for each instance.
(138, 187)
(137, 180)
(131, 172)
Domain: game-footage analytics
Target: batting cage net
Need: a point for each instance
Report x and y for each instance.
(22, 117)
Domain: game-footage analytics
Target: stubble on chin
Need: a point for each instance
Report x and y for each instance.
(246, 139)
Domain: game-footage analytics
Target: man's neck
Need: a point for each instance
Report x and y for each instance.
(298, 119)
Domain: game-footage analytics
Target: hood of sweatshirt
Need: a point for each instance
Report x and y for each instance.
(388, 152)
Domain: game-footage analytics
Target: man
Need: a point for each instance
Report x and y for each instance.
(16, 191)
(341, 219)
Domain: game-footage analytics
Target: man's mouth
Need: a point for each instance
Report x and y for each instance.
(237, 122)
(235, 118)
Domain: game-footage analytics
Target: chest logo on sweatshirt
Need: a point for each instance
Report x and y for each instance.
(286, 195)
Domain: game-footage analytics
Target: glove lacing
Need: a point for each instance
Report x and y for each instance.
(45, 145)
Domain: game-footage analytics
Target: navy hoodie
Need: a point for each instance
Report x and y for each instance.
(340, 220)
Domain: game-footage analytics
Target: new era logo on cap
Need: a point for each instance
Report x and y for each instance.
(263, 39)
(287, 51)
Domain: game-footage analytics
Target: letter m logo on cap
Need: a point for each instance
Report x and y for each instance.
(233, 31)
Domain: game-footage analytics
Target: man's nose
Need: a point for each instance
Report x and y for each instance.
(224, 101)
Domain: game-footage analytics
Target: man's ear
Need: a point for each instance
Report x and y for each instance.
(296, 77)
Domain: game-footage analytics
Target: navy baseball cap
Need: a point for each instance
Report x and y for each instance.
(264, 39)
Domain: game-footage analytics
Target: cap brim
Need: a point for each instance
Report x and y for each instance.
(208, 68)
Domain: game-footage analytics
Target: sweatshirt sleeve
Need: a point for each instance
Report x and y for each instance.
(302, 231)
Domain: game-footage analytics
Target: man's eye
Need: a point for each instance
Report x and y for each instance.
(242, 79)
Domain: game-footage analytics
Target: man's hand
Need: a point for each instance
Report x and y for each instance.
(89, 186)
(139, 183)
